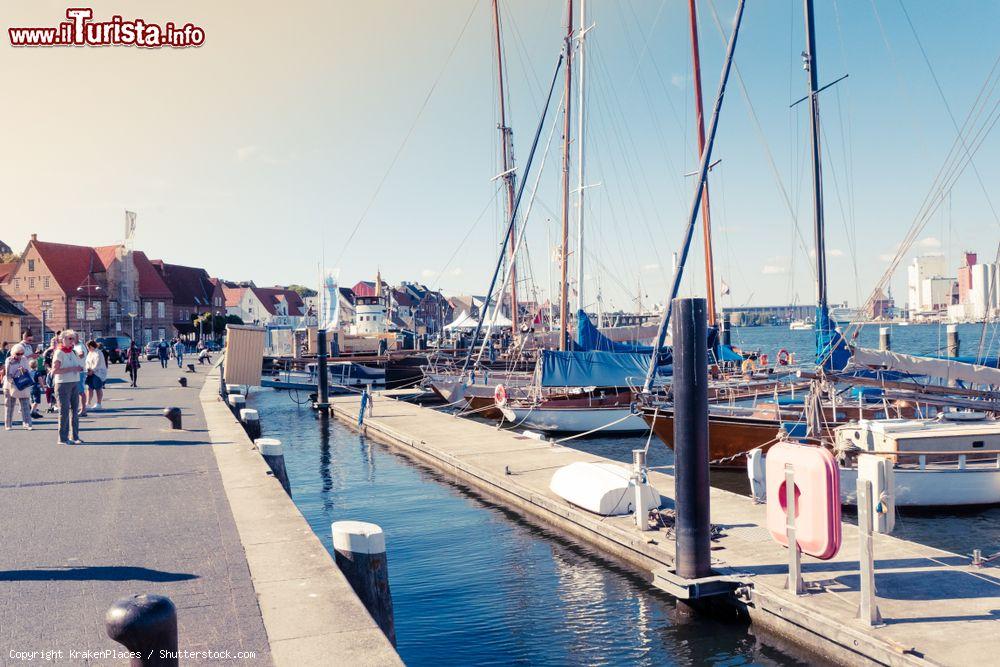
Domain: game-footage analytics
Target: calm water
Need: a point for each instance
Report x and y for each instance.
(473, 583)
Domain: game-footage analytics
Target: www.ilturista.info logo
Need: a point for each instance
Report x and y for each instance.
(81, 30)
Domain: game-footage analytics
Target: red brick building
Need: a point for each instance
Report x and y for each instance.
(194, 294)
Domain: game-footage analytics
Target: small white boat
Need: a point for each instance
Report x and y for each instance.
(801, 325)
(602, 488)
(574, 420)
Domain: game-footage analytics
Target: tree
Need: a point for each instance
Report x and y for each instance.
(302, 290)
(6, 257)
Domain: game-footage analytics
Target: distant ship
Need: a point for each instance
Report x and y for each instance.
(801, 325)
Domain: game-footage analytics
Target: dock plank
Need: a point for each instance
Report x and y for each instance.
(938, 609)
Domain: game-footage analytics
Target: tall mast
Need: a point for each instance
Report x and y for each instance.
(581, 117)
(706, 217)
(817, 169)
(507, 154)
(567, 120)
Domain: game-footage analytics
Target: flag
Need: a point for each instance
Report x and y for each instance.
(725, 288)
(129, 225)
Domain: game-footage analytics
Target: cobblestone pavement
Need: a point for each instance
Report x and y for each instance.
(136, 509)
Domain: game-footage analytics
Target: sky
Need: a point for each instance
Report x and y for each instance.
(362, 136)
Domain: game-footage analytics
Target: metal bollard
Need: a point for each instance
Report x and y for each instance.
(147, 626)
(173, 415)
(191, 368)
(359, 549)
(274, 456)
(884, 339)
(182, 381)
(251, 422)
(638, 479)
(954, 344)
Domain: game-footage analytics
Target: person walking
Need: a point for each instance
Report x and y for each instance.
(179, 352)
(97, 374)
(132, 355)
(163, 352)
(48, 357)
(17, 383)
(66, 369)
(4, 352)
(81, 351)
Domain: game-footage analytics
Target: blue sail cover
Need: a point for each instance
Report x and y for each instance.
(589, 338)
(726, 353)
(595, 369)
(831, 348)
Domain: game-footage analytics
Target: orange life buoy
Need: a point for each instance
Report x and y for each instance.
(500, 395)
(784, 358)
(748, 366)
(763, 360)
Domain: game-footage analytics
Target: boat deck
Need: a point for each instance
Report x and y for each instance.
(938, 609)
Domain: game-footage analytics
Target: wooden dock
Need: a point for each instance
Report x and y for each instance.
(937, 608)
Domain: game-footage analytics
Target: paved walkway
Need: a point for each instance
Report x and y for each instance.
(137, 509)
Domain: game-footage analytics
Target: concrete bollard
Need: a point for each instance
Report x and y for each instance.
(236, 403)
(182, 381)
(173, 415)
(359, 549)
(274, 456)
(953, 341)
(884, 339)
(251, 422)
(147, 626)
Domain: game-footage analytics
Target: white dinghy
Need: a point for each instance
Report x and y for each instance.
(602, 488)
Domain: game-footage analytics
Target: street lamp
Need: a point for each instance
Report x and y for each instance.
(86, 314)
(132, 314)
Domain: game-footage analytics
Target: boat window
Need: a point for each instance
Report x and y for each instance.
(978, 444)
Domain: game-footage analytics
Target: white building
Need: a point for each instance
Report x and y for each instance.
(369, 315)
(983, 297)
(929, 289)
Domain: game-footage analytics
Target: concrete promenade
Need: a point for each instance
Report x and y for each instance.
(136, 509)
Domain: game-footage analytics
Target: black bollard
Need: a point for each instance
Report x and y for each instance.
(251, 422)
(690, 384)
(182, 381)
(725, 330)
(173, 415)
(359, 549)
(236, 403)
(191, 368)
(323, 402)
(147, 626)
(274, 455)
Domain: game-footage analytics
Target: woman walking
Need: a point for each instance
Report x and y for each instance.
(132, 362)
(17, 381)
(66, 368)
(97, 373)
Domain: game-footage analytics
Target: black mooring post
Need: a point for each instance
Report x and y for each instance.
(147, 626)
(725, 330)
(690, 384)
(323, 400)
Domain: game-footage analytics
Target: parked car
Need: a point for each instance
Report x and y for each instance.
(114, 347)
(151, 350)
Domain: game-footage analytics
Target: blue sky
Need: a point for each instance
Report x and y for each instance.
(257, 154)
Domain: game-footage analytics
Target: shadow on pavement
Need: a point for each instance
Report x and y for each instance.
(94, 573)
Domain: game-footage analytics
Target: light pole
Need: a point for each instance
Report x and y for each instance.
(132, 315)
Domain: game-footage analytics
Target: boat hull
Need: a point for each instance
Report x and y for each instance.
(945, 487)
(575, 420)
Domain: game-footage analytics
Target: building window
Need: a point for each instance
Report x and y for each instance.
(31, 283)
(47, 308)
(97, 310)
(163, 333)
(147, 335)
(147, 309)
(112, 308)
(161, 309)
(81, 309)
(31, 265)
(45, 282)
(17, 283)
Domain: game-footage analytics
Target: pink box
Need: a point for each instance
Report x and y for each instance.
(817, 498)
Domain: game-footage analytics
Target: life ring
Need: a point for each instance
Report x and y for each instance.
(763, 360)
(748, 366)
(784, 357)
(500, 395)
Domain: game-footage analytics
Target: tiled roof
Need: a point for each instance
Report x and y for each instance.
(233, 295)
(7, 269)
(70, 265)
(151, 285)
(8, 308)
(190, 286)
(270, 296)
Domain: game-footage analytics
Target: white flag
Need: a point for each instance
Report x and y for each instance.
(129, 225)
(725, 288)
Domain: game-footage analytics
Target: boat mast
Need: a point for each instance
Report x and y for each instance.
(507, 154)
(706, 156)
(567, 119)
(706, 218)
(823, 320)
(581, 117)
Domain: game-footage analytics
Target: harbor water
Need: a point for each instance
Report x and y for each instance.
(473, 583)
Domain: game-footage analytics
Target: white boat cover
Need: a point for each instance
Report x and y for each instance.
(941, 368)
(602, 488)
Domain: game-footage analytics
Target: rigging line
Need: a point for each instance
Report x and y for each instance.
(641, 56)
(947, 106)
(406, 138)
(840, 205)
(468, 233)
(764, 143)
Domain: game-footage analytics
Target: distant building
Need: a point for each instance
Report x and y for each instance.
(929, 290)
(194, 294)
(10, 322)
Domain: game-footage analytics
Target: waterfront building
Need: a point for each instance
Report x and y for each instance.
(929, 290)
(194, 294)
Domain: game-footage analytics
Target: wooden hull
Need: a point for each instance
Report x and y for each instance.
(728, 436)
